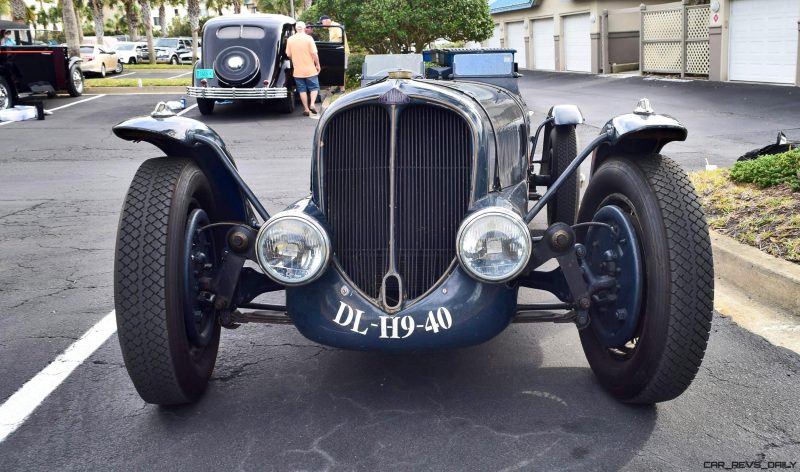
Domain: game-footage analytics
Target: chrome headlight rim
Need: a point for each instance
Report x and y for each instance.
(304, 218)
(494, 211)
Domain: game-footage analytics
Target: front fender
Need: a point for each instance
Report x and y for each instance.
(181, 137)
(74, 60)
(638, 134)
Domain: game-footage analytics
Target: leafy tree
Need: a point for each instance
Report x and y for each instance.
(401, 26)
(281, 7)
(18, 10)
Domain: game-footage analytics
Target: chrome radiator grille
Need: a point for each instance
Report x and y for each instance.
(432, 170)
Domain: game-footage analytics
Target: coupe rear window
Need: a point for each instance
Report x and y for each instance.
(240, 32)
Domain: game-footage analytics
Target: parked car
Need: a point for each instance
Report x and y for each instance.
(98, 60)
(416, 237)
(128, 52)
(29, 68)
(244, 58)
(186, 58)
(169, 50)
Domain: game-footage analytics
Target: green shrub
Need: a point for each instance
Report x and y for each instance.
(354, 69)
(770, 170)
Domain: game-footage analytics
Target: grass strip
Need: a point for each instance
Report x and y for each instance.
(766, 218)
(146, 66)
(127, 82)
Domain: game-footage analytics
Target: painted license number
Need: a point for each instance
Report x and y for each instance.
(204, 73)
(393, 327)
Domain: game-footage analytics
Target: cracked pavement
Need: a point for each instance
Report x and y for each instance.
(525, 400)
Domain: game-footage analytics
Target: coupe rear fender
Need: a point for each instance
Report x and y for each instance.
(184, 137)
(639, 133)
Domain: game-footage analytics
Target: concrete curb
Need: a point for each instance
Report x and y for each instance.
(136, 90)
(764, 278)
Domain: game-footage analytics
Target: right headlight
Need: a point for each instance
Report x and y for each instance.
(493, 244)
(292, 248)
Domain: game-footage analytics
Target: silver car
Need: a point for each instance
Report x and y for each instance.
(169, 50)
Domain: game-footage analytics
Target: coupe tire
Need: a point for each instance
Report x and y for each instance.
(560, 148)
(7, 98)
(674, 320)
(120, 68)
(165, 367)
(75, 82)
(205, 105)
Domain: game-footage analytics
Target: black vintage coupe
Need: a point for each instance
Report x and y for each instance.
(244, 58)
(416, 235)
(30, 67)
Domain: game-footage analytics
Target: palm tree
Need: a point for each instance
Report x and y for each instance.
(148, 28)
(18, 10)
(42, 18)
(54, 14)
(97, 16)
(70, 27)
(132, 19)
(193, 6)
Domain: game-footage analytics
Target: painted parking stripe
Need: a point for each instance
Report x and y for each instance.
(19, 406)
(79, 101)
(59, 108)
(179, 75)
(187, 109)
(122, 75)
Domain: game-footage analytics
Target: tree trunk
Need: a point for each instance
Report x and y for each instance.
(162, 18)
(148, 27)
(99, 21)
(307, 4)
(79, 22)
(237, 6)
(70, 28)
(18, 10)
(132, 20)
(193, 6)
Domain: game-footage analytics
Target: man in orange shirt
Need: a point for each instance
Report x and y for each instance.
(300, 48)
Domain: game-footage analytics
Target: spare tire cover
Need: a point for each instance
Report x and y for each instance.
(236, 65)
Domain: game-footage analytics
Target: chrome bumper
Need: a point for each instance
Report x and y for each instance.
(237, 93)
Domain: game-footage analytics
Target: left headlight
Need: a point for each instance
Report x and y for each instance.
(292, 248)
(494, 244)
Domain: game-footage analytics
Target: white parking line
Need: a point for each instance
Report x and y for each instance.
(179, 75)
(79, 101)
(122, 75)
(187, 109)
(20, 405)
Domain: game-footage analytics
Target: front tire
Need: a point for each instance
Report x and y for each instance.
(174, 60)
(120, 68)
(205, 105)
(75, 83)
(165, 362)
(7, 97)
(559, 150)
(661, 358)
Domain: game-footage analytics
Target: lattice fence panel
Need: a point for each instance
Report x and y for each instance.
(697, 22)
(697, 58)
(662, 57)
(662, 24)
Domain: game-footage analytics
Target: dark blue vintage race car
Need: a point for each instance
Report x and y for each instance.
(415, 235)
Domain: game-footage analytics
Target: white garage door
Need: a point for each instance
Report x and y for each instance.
(494, 41)
(577, 43)
(544, 47)
(763, 40)
(516, 40)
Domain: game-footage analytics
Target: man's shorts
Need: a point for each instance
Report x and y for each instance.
(308, 84)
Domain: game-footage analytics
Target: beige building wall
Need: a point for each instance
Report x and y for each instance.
(558, 9)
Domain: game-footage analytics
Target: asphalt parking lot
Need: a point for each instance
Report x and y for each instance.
(525, 400)
(128, 73)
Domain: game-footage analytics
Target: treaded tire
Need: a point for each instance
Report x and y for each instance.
(287, 105)
(120, 67)
(205, 105)
(75, 82)
(164, 367)
(675, 318)
(9, 99)
(102, 70)
(560, 148)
